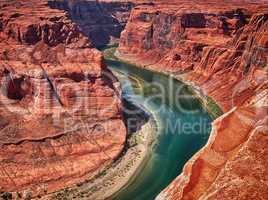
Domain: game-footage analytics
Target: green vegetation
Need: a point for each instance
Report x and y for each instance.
(134, 140)
(213, 108)
(208, 103)
(109, 53)
(108, 47)
(63, 195)
(18, 195)
(102, 173)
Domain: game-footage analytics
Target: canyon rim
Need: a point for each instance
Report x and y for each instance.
(63, 118)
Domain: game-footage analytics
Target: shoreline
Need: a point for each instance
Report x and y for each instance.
(132, 162)
(148, 137)
(207, 101)
(117, 175)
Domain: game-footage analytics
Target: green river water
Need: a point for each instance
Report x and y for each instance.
(183, 127)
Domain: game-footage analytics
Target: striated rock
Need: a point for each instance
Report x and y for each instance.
(60, 113)
(102, 21)
(225, 168)
(222, 48)
(244, 176)
(243, 61)
(170, 38)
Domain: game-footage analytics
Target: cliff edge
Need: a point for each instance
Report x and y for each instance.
(220, 47)
(60, 108)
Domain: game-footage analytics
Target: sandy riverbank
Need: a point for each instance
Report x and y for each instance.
(119, 174)
(129, 165)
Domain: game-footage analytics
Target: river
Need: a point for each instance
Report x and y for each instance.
(183, 127)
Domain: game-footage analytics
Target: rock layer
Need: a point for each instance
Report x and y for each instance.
(60, 107)
(102, 21)
(170, 38)
(222, 48)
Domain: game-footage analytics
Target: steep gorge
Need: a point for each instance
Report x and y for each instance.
(60, 109)
(60, 106)
(101, 21)
(221, 48)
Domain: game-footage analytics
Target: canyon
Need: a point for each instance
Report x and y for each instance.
(61, 110)
(101, 21)
(222, 49)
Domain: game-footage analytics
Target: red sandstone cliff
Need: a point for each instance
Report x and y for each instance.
(221, 47)
(60, 108)
(102, 21)
(205, 41)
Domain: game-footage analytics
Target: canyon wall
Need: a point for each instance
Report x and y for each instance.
(101, 21)
(221, 47)
(60, 107)
(205, 40)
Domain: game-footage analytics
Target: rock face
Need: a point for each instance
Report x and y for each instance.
(60, 108)
(222, 48)
(102, 21)
(232, 164)
(206, 41)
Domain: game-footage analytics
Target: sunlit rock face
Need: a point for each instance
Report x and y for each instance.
(206, 41)
(221, 47)
(102, 21)
(231, 165)
(60, 108)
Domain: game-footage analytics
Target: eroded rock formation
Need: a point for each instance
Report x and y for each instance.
(102, 21)
(207, 41)
(60, 108)
(222, 48)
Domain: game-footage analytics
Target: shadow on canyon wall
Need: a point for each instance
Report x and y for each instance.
(102, 22)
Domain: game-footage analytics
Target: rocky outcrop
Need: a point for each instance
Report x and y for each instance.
(231, 165)
(222, 48)
(102, 21)
(171, 39)
(60, 108)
